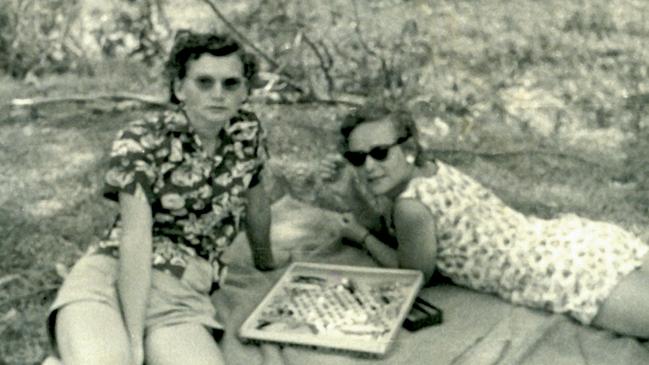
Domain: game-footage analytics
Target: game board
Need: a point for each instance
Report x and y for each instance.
(335, 307)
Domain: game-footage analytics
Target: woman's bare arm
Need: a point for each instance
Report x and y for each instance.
(134, 280)
(380, 251)
(415, 230)
(258, 220)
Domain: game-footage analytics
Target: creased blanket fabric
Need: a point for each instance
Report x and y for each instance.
(477, 329)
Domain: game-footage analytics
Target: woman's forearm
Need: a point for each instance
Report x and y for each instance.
(356, 232)
(381, 252)
(134, 283)
(258, 220)
(135, 252)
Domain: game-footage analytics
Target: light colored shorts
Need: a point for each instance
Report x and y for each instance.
(172, 301)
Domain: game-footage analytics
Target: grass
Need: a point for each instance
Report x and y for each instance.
(580, 68)
(52, 209)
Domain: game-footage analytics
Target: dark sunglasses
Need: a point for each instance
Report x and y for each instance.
(379, 153)
(206, 83)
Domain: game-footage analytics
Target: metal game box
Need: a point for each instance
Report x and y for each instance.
(337, 307)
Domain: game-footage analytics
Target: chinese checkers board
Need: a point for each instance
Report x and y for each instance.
(336, 307)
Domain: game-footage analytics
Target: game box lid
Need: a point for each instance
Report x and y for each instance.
(336, 307)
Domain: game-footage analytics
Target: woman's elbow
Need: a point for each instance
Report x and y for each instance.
(426, 268)
(422, 263)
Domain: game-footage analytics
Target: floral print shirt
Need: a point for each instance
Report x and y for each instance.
(197, 200)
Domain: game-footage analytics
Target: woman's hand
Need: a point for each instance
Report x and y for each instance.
(281, 259)
(332, 167)
(351, 229)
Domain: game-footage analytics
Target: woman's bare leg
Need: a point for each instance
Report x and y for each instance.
(91, 333)
(182, 344)
(626, 310)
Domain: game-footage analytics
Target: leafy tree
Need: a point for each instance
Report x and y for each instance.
(335, 47)
(36, 37)
(134, 29)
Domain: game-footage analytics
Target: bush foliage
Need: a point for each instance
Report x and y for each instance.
(563, 76)
(567, 77)
(37, 37)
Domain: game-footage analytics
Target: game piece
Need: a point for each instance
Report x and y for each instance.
(335, 307)
(422, 314)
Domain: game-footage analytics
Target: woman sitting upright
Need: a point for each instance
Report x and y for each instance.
(187, 180)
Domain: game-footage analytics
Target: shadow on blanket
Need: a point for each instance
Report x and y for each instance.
(477, 329)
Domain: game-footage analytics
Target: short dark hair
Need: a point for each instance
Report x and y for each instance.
(189, 46)
(401, 119)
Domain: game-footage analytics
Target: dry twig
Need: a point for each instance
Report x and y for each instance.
(240, 35)
(325, 64)
(366, 47)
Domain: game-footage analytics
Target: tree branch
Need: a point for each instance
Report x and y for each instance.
(451, 153)
(240, 35)
(143, 99)
(359, 32)
(324, 65)
(330, 102)
(252, 45)
(366, 47)
(162, 14)
(349, 103)
(35, 102)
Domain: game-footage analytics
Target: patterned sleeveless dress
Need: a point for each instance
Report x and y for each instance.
(564, 265)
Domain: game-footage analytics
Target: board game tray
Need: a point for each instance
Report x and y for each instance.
(337, 307)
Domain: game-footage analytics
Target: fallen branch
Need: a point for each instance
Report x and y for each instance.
(328, 102)
(40, 101)
(8, 279)
(436, 153)
(147, 100)
(337, 99)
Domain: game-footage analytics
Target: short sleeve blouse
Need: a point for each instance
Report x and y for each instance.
(197, 200)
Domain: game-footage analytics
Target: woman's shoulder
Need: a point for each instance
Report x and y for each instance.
(168, 120)
(450, 177)
(428, 177)
(442, 179)
(148, 131)
(155, 123)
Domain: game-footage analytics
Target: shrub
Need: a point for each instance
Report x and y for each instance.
(36, 37)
